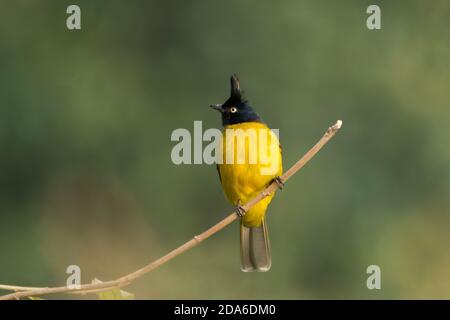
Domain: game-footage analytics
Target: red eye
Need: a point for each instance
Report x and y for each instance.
(233, 109)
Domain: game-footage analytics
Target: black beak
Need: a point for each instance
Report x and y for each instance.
(217, 107)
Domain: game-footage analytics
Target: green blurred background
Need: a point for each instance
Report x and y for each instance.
(85, 122)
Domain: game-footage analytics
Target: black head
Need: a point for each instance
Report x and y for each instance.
(236, 109)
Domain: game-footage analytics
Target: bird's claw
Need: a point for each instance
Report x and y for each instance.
(240, 211)
(279, 182)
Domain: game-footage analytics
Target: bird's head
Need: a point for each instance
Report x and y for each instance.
(236, 109)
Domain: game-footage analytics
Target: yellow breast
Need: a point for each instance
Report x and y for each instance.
(250, 159)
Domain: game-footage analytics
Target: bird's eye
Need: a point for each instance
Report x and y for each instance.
(233, 109)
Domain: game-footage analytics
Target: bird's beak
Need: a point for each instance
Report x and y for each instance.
(217, 107)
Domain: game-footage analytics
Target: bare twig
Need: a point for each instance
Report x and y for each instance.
(17, 288)
(23, 292)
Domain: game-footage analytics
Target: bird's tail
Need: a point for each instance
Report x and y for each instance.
(255, 248)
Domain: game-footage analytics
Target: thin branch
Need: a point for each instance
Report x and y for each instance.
(17, 288)
(23, 292)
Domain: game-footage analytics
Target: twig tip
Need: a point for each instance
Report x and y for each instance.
(332, 130)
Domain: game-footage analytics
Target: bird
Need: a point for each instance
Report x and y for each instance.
(243, 180)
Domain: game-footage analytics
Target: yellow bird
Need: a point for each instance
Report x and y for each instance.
(249, 160)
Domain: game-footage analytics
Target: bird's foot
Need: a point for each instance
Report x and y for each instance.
(240, 211)
(279, 182)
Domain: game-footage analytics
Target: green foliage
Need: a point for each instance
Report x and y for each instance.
(113, 294)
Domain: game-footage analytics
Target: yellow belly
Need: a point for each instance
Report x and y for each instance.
(255, 162)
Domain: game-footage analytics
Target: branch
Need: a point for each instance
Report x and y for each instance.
(23, 292)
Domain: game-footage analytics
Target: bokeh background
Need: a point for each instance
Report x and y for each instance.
(86, 117)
